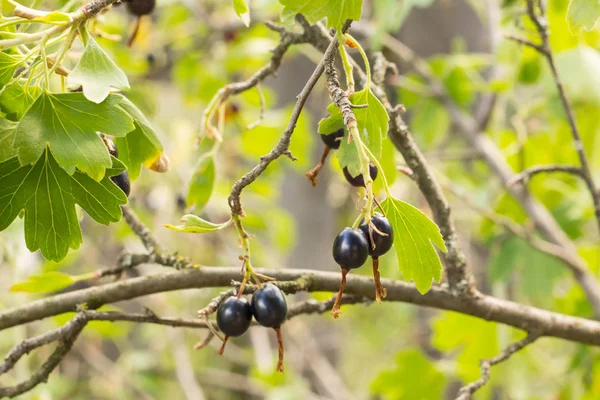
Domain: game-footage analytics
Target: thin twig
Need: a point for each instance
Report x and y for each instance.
(467, 391)
(284, 142)
(150, 242)
(541, 24)
(526, 175)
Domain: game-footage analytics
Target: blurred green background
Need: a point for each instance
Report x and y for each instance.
(188, 50)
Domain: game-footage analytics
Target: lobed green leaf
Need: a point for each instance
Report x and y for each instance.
(336, 11)
(414, 237)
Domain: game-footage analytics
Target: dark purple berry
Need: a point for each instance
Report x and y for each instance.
(333, 139)
(269, 306)
(123, 182)
(140, 7)
(234, 316)
(380, 244)
(350, 248)
(358, 181)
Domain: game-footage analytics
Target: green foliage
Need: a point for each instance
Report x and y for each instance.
(202, 183)
(48, 195)
(414, 237)
(336, 11)
(415, 377)
(46, 282)
(97, 73)
(62, 122)
(372, 124)
(583, 14)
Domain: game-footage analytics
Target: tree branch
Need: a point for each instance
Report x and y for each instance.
(486, 307)
(529, 173)
(467, 391)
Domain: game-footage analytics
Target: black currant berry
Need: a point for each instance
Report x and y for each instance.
(140, 7)
(269, 306)
(234, 316)
(123, 182)
(350, 248)
(380, 244)
(333, 139)
(359, 181)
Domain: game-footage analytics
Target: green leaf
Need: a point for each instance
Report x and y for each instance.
(372, 125)
(7, 139)
(193, 224)
(54, 18)
(48, 195)
(8, 65)
(68, 123)
(583, 14)
(202, 184)
(16, 100)
(140, 147)
(241, 9)
(46, 282)
(415, 377)
(336, 11)
(414, 237)
(97, 73)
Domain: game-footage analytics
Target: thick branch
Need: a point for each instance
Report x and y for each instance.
(467, 391)
(485, 307)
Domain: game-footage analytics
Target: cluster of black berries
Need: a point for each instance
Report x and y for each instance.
(121, 180)
(269, 308)
(351, 248)
(332, 142)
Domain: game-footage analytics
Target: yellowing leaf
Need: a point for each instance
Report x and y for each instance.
(193, 224)
(241, 9)
(54, 18)
(96, 73)
(414, 237)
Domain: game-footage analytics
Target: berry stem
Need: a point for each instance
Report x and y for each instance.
(222, 349)
(348, 69)
(380, 292)
(314, 173)
(280, 349)
(245, 240)
(335, 311)
(134, 33)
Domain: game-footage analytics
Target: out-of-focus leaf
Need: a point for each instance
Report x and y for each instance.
(415, 377)
(46, 282)
(241, 9)
(336, 11)
(201, 184)
(191, 223)
(583, 14)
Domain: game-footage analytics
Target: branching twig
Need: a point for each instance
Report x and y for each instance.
(282, 146)
(467, 391)
(150, 242)
(529, 173)
(541, 24)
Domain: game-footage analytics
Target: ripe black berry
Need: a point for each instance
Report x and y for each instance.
(123, 182)
(269, 306)
(350, 248)
(333, 139)
(380, 244)
(234, 316)
(359, 181)
(140, 7)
